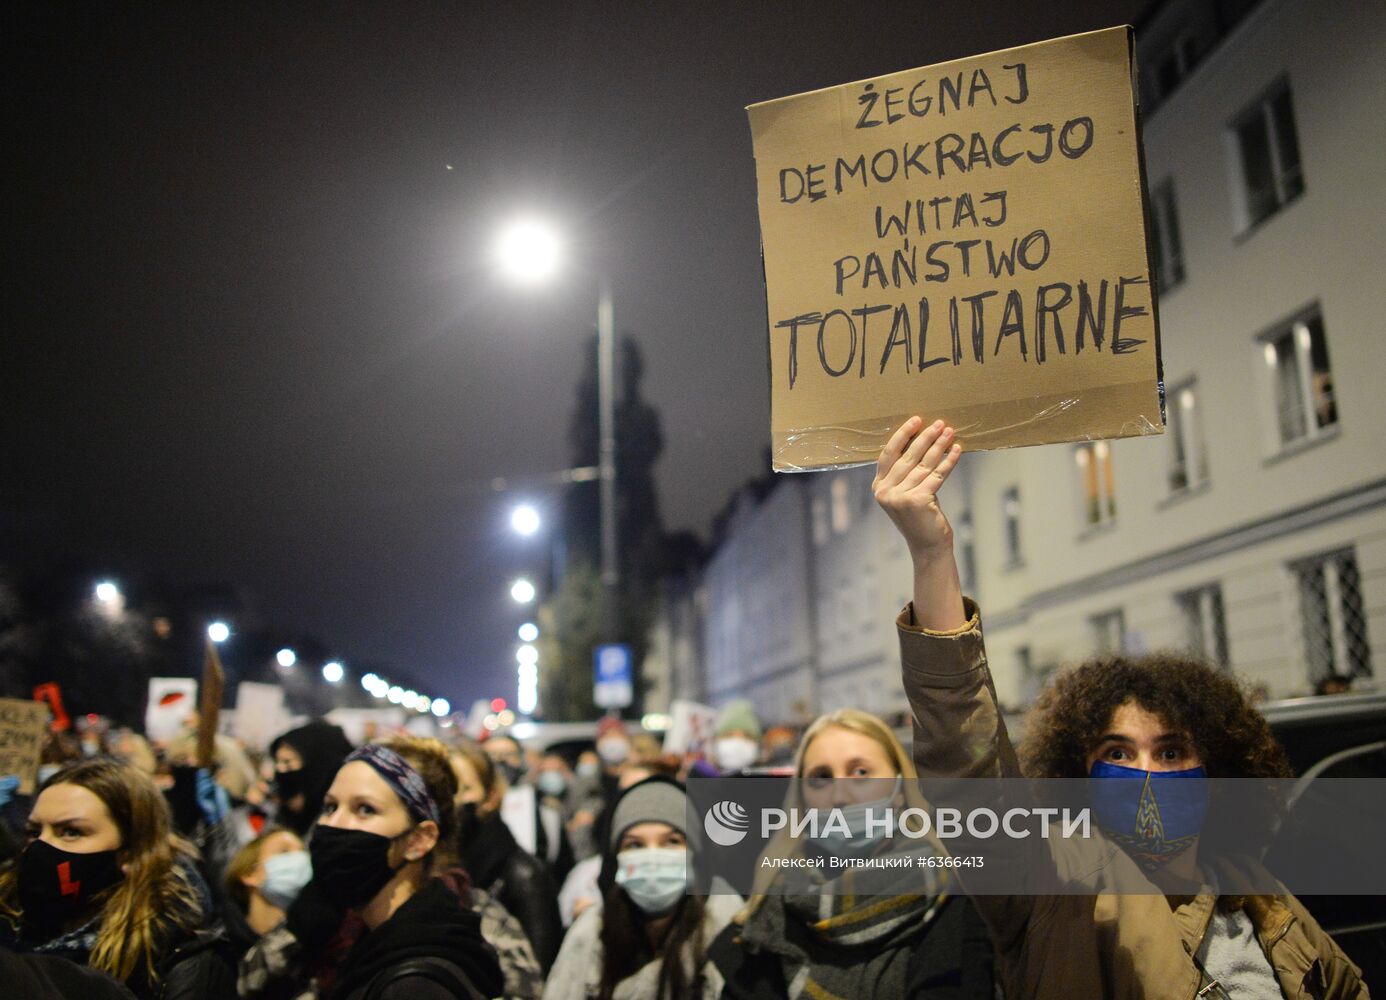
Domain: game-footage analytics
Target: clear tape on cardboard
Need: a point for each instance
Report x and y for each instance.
(986, 427)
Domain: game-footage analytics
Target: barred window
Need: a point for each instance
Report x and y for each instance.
(1205, 625)
(1332, 621)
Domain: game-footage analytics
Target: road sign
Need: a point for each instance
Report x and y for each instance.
(612, 676)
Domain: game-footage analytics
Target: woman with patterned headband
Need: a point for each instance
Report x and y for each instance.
(373, 921)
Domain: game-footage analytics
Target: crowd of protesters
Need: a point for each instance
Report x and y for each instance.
(414, 867)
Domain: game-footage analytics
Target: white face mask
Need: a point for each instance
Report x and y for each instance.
(613, 752)
(654, 878)
(735, 753)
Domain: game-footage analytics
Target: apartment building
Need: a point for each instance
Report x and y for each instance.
(1253, 531)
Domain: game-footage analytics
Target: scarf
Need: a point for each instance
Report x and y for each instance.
(834, 941)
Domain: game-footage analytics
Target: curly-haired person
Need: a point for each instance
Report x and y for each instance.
(1166, 721)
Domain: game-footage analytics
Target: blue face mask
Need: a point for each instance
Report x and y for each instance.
(1152, 815)
(655, 878)
(285, 876)
(856, 841)
(552, 783)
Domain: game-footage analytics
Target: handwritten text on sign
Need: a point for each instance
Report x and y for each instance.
(965, 241)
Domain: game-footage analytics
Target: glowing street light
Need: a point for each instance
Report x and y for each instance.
(441, 707)
(528, 252)
(525, 520)
(395, 694)
(528, 632)
(107, 592)
(522, 591)
(527, 655)
(333, 672)
(286, 658)
(218, 631)
(368, 682)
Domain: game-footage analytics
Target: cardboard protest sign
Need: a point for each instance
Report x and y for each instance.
(23, 728)
(964, 241)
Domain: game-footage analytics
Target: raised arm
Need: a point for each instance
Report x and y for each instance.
(912, 468)
(958, 730)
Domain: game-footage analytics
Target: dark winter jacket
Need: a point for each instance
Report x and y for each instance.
(429, 941)
(950, 959)
(522, 884)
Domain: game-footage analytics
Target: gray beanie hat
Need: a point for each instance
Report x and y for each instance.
(738, 714)
(654, 800)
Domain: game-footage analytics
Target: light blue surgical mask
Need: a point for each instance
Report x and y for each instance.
(46, 771)
(856, 841)
(285, 876)
(552, 783)
(655, 878)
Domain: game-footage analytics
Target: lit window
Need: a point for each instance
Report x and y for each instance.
(1109, 632)
(842, 511)
(1096, 483)
(1296, 357)
(1267, 148)
(1205, 625)
(1188, 457)
(1010, 515)
(1164, 238)
(1332, 619)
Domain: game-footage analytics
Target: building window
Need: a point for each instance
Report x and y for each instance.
(1205, 625)
(967, 553)
(1332, 621)
(1267, 148)
(1188, 457)
(1010, 515)
(819, 514)
(1164, 238)
(1109, 632)
(1095, 482)
(842, 511)
(1296, 357)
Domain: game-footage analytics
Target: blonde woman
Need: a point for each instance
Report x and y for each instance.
(104, 882)
(816, 933)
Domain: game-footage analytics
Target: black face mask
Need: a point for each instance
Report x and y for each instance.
(57, 886)
(467, 822)
(287, 784)
(350, 866)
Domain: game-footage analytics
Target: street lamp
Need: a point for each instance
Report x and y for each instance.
(522, 591)
(107, 592)
(529, 254)
(441, 707)
(525, 520)
(286, 658)
(528, 632)
(333, 672)
(218, 631)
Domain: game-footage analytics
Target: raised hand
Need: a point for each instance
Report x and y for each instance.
(913, 466)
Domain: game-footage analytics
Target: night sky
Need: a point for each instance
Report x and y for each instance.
(253, 333)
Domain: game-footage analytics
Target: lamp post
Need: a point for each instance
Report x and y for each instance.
(528, 252)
